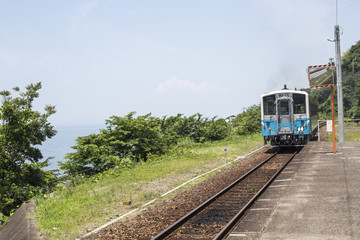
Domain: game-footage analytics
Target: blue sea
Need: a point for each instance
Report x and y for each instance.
(62, 142)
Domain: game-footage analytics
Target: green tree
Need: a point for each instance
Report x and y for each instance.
(21, 130)
(350, 86)
(125, 138)
(137, 137)
(320, 100)
(248, 122)
(350, 60)
(351, 81)
(132, 139)
(216, 129)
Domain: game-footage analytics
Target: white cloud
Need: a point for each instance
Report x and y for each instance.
(178, 85)
(83, 11)
(86, 8)
(7, 58)
(300, 23)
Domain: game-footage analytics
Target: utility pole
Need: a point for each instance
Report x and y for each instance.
(339, 85)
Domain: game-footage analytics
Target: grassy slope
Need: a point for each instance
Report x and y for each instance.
(73, 210)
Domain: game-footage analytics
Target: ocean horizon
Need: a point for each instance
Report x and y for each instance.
(59, 145)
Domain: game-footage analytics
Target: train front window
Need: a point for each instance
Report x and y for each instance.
(299, 103)
(284, 108)
(269, 105)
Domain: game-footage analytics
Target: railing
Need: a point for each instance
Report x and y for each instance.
(351, 129)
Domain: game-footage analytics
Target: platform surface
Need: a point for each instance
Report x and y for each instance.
(317, 196)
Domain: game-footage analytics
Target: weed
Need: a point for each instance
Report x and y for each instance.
(92, 201)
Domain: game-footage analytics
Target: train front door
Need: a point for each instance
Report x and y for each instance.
(284, 114)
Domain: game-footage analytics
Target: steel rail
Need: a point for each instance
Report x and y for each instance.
(195, 211)
(224, 232)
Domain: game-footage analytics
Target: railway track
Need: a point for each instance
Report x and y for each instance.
(218, 215)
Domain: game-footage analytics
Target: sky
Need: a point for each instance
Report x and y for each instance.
(99, 58)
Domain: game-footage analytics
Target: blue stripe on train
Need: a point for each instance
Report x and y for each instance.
(269, 127)
(302, 122)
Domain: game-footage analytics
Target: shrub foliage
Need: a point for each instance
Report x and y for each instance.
(130, 139)
(124, 142)
(21, 129)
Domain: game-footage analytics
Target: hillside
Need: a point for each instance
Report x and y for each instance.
(351, 87)
(351, 81)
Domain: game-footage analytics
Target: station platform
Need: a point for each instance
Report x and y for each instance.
(317, 196)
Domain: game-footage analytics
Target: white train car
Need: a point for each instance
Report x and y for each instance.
(285, 118)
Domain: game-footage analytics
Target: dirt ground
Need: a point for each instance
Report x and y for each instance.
(322, 133)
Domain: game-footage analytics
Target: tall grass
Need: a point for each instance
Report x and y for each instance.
(351, 132)
(72, 211)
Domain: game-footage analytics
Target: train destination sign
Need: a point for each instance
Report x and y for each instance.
(321, 75)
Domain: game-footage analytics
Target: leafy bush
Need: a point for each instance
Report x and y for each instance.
(138, 138)
(248, 122)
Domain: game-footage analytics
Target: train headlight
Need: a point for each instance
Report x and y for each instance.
(302, 129)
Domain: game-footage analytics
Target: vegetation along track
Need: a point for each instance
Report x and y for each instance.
(155, 219)
(214, 218)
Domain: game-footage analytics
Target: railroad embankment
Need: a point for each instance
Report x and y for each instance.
(22, 225)
(76, 210)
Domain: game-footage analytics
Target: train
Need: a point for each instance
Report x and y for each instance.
(287, 118)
